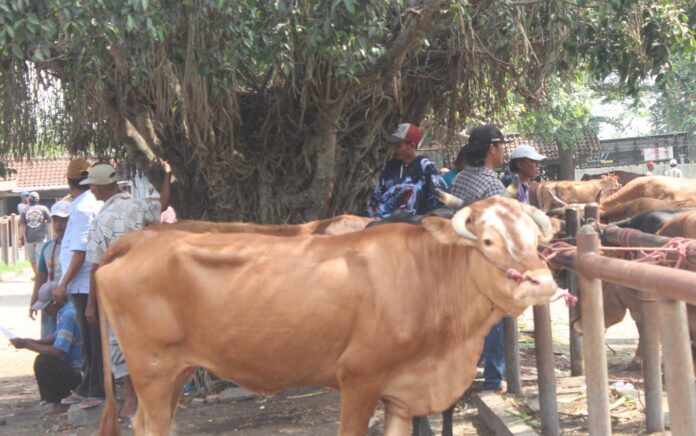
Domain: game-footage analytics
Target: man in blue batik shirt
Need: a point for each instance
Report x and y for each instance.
(408, 181)
(57, 367)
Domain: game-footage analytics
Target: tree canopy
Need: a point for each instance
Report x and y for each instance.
(273, 111)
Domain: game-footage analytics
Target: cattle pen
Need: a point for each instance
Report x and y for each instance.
(664, 294)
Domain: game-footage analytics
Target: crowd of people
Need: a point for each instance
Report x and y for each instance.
(97, 212)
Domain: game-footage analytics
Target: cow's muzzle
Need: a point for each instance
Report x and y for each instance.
(538, 288)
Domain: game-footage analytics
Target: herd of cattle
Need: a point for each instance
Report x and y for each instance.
(394, 313)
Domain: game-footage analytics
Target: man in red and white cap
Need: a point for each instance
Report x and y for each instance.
(408, 181)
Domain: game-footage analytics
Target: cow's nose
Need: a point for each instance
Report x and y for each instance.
(539, 286)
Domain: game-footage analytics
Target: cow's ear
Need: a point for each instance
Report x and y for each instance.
(442, 230)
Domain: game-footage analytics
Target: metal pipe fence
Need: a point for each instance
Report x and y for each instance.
(665, 320)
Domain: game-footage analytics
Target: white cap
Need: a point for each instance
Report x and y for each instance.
(673, 162)
(527, 151)
(61, 209)
(100, 174)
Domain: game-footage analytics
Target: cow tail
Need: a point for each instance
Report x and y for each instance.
(108, 424)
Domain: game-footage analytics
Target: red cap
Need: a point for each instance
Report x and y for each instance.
(406, 132)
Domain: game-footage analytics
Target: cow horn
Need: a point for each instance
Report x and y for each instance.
(449, 200)
(556, 198)
(514, 187)
(540, 219)
(459, 224)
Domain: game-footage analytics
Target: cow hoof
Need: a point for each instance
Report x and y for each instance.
(633, 366)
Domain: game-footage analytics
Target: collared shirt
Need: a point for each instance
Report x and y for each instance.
(120, 215)
(49, 260)
(476, 183)
(408, 188)
(83, 210)
(673, 172)
(68, 339)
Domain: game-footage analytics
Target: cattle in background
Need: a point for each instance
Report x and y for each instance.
(392, 313)
(623, 176)
(560, 193)
(679, 192)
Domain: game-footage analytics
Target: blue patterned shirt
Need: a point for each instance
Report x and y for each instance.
(409, 188)
(68, 338)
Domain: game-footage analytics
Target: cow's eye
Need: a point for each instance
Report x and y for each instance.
(487, 242)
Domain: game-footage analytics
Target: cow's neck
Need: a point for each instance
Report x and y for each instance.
(461, 301)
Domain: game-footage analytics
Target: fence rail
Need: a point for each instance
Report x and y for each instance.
(9, 241)
(672, 287)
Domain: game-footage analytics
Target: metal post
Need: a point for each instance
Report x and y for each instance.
(592, 310)
(14, 222)
(546, 375)
(575, 339)
(652, 373)
(5, 240)
(512, 355)
(679, 368)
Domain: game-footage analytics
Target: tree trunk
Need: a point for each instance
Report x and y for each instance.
(567, 163)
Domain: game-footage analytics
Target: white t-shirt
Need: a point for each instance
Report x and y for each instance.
(673, 172)
(83, 210)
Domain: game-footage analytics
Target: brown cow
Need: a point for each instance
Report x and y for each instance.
(671, 189)
(396, 313)
(559, 193)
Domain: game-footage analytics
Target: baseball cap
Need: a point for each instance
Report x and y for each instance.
(77, 168)
(405, 132)
(100, 174)
(61, 209)
(33, 195)
(650, 164)
(673, 162)
(487, 134)
(23, 194)
(526, 151)
(45, 296)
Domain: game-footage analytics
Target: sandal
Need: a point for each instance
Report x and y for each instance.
(73, 398)
(90, 403)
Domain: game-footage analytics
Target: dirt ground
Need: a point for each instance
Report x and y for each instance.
(306, 411)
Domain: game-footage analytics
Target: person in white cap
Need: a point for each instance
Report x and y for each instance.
(525, 163)
(408, 181)
(48, 270)
(57, 367)
(119, 215)
(673, 171)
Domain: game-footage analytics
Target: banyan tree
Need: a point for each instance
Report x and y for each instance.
(273, 110)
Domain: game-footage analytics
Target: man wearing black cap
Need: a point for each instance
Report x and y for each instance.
(484, 152)
(408, 181)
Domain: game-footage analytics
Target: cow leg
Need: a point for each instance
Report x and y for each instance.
(395, 424)
(151, 417)
(357, 406)
(178, 386)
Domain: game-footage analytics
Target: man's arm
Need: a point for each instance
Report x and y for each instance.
(166, 191)
(39, 279)
(91, 309)
(78, 259)
(43, 346)
(22, 227)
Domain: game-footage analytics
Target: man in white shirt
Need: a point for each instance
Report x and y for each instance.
(119, 215)
(673, 171)
(75, 283)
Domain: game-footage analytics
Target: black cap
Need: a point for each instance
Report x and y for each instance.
(485, 135)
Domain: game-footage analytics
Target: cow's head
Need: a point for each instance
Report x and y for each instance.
(504, 234)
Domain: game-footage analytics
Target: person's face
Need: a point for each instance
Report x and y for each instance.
(59, 225)
(497, 152)
(404, 151)
(25, 200)
(98, 192)
(528, 168)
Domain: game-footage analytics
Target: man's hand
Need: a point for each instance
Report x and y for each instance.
(19, 343)
(91, 314)
(59, 293)
(165, 166)
(32, 312)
